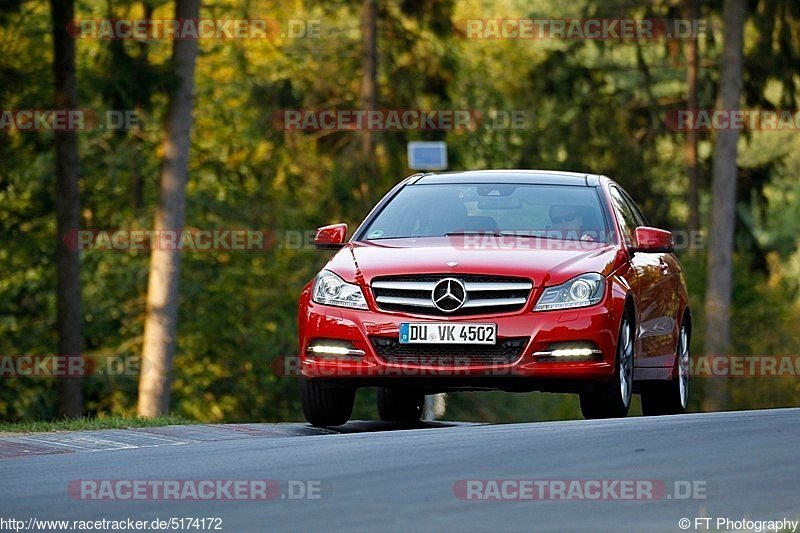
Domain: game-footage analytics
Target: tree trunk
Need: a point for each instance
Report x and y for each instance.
(143, 63)
(369, 89)
(691, 12)
(68, 283)
(720, 252)
(369, 64)
(165, 265)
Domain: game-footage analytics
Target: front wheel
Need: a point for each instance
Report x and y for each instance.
(613, 399)
(670, 397)
(325, 405)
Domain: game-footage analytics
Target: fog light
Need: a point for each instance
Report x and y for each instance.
(334, 348)
(571, 351)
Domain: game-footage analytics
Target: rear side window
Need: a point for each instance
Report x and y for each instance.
(640, 220)
(626, 215)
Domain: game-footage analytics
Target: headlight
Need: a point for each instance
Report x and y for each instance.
(330, 289)
(582, 291)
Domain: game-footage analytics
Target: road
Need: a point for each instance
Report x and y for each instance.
(377, 476)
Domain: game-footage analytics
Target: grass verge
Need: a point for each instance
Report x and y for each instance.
(77, 424)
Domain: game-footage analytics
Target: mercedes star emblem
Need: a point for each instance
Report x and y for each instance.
(449, 295)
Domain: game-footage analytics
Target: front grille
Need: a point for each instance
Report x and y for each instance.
(484, 294)
(506, 352)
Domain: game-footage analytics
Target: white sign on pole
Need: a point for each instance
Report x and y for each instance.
(427, 155)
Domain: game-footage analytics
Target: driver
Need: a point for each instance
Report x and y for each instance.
(568, 220)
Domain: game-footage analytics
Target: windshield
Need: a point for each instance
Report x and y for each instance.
(551, 211)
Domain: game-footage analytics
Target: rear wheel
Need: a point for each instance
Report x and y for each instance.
(400, 405)
(325, 405)
(613, 399)
(670, 397)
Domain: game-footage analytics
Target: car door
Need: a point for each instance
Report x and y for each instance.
(651, 284)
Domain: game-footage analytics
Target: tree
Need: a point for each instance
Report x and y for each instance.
(161, 318)
(691, 12)
(720, 251)
(68, 284)
(369, 87)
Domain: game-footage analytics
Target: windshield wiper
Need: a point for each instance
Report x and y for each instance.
(393, 237)
(549, 237)
(525, 235)
(473, 232)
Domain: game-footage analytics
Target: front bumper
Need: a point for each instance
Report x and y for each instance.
(597, 324)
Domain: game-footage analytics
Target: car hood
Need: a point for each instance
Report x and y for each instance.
(546, 262)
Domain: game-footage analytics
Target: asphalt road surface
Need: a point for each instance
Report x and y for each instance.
(380, 476)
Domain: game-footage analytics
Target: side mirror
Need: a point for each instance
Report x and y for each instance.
(653, 240)
(331, 237)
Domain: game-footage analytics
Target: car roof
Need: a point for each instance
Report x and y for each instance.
(538, 177)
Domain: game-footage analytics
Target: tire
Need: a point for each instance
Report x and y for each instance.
(324, 405)
(613, 399)
(400, 405)
(670, 397)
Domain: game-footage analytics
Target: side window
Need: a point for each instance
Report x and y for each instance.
(640, 220)
(626, 216)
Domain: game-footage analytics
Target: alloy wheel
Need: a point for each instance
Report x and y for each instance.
(626, 363)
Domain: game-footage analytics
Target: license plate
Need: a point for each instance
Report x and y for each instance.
(447, 333)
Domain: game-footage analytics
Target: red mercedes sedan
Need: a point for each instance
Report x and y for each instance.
(510, 280)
